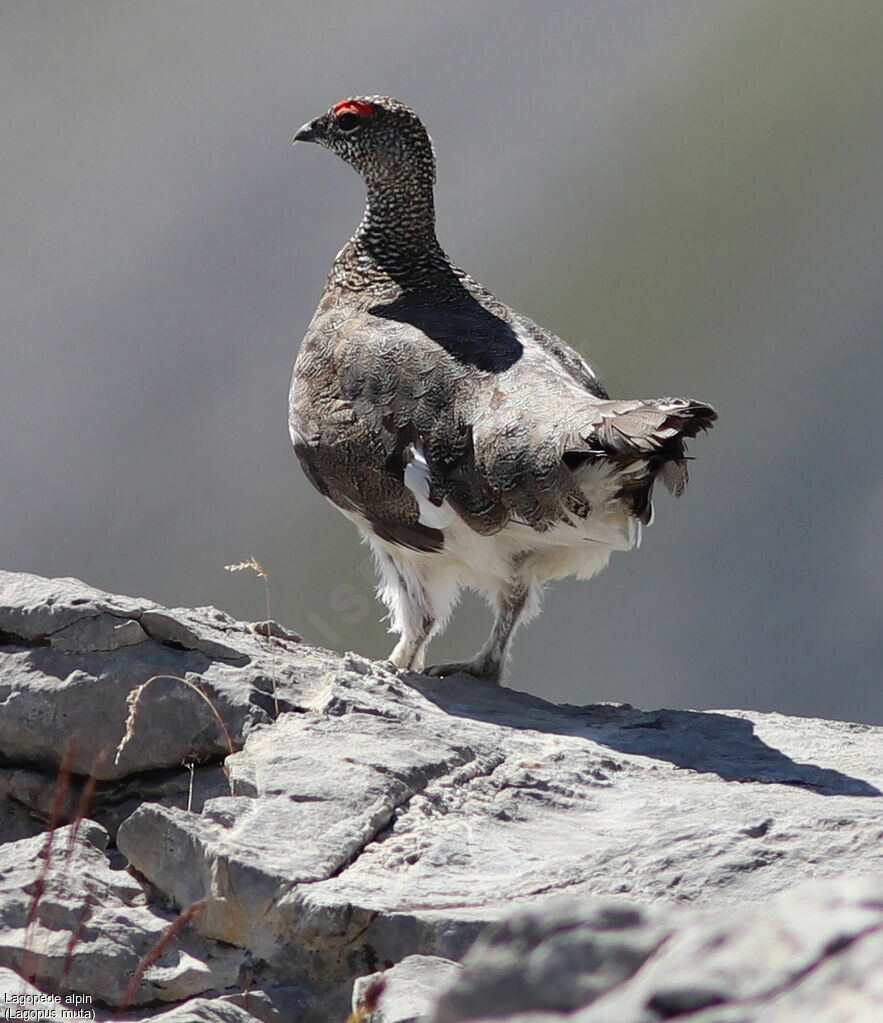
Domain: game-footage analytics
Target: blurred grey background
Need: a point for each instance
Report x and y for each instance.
(690, 191)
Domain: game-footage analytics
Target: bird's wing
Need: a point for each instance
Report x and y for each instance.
(405, 415)
(377, 404)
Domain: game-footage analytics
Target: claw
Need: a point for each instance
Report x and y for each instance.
(478, 670)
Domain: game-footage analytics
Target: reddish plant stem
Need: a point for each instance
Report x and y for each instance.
(152, 954)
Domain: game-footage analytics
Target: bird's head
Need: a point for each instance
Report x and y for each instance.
(383, 139)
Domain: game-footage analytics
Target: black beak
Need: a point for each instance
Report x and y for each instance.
(307, 133)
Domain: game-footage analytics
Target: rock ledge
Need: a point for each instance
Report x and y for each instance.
(285, 827)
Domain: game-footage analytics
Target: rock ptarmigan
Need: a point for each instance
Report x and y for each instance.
(470, 446)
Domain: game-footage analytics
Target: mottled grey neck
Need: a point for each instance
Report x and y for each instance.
(401, 214)
(395, 240)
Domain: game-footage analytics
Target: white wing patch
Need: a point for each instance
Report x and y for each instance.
(417, 475)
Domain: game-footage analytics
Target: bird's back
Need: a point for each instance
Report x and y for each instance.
(511, 422)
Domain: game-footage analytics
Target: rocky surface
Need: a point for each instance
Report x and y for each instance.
(809, 954)
(282, 821)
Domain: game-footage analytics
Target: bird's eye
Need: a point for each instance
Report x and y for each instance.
(348, 122)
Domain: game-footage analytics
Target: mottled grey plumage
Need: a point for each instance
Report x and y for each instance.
(469, 445)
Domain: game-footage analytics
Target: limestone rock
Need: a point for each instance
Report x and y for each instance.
(406, 992)
(71, 655)
(560, 958)
(807, 955)
(381, 816)
(204, 1010)
(70, 920)
(445, 802)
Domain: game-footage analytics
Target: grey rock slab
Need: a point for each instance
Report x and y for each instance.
(279, 1003)
(845, 988)
(284, 1003)
(198, 1010)
(15, 820)
(72, 616)
(32, 801)
(71, 655)
(812, 953)
(560, 958)
(201, 629)
(676, 805)
(406, 991)
(71, 922)
(311, 792)
(32, 607)
(398, 815)
(102, 632)
(385, 815)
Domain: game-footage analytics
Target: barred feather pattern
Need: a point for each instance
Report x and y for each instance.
(470, 446)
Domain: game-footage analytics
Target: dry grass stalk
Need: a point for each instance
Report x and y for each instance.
(192, 769)
(134, 701)
(255, 566)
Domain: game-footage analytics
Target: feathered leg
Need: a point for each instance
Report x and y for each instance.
(514, 605)
(419, 594)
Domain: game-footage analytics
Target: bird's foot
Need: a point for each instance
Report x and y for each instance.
(485, 671)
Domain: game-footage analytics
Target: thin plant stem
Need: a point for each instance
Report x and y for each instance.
(134, 700)
(253, 564)
(62, 788)
(153, 953)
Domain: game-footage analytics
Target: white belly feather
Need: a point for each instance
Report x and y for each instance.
(579, 547)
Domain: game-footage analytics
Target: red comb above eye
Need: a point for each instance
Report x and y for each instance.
(353, 106)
